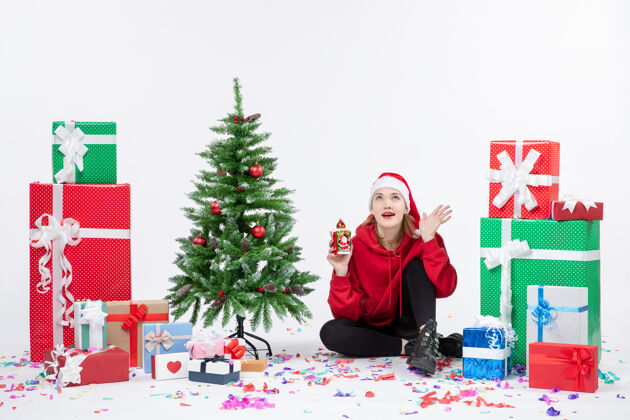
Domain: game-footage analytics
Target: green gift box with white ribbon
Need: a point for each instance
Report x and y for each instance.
(516, 253)
(84, 152)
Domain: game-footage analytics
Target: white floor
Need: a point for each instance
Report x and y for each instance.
(307, 385)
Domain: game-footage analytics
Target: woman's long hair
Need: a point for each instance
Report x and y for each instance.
(407, 227)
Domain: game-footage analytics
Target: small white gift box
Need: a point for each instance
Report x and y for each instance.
(214, 370)
(169, 366)
(557, 314)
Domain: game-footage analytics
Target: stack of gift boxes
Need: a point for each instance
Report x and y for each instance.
(540, 270)
(83, 323)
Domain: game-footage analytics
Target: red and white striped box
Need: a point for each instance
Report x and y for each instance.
(524, 178)
(79, 250)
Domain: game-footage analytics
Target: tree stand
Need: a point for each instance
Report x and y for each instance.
(241, 333)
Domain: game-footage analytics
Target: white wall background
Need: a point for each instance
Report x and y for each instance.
(348, 90)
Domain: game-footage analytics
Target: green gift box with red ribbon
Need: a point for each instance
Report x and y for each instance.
(124, 324)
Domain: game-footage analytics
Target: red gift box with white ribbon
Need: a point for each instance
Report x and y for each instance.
(577, 210)
(73, 367)
(79, 250)
(569, 367)
(524, 178)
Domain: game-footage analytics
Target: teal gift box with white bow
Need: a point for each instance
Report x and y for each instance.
(557, 314)
(164, 339)
(84, 152)
(90, 325)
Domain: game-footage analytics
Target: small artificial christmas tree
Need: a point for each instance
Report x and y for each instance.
(239, 260)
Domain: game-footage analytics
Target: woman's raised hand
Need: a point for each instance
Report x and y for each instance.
(429, 224)
(339, 261)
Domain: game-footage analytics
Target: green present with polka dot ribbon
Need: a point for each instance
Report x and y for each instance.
(84, 152)
(516, 253)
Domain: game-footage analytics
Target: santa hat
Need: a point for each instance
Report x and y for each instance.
(397, 182)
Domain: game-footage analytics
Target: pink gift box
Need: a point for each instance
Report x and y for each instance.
(201, 347)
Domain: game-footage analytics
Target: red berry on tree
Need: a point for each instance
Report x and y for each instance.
(220, 292)
(260, 289)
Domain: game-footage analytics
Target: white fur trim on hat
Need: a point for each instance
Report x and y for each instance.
(389, 182)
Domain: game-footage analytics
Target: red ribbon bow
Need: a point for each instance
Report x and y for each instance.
(235, 349)
(579, 360)
(135, 317)
(581, 364)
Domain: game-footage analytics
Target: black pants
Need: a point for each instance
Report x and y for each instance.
(361, 339)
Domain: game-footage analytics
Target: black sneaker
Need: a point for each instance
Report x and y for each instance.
(451, 346)
(424, 353)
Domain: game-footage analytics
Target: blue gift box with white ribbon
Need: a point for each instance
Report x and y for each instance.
(485, 353)
(163, 339)
(557, 314)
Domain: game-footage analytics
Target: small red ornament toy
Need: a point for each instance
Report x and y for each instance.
(258, 231)
(215, 207)
(341, 238)
(200, 241)
(256, 170)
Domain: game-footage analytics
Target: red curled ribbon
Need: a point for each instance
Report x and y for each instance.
(135, 317)
(579, 360)
(233, 348)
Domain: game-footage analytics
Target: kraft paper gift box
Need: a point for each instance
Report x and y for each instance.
(485, 353)
(253, 368)
(169, 366)
(569, 367)
(90, 324)
(76, 367)
(557, 314)
(79, 250)
(520, 253)
(164, 338)
(84, 152)
(577, 210)
(214, 370)
(524, 177)
(125, 322)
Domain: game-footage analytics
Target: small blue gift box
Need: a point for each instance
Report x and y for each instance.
(163, 339)
(485, 353)
(214, 370)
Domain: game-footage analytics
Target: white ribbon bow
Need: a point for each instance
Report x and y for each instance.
(496, 328)
(515, 181)
(94, 316)
(503, 256)
(70, 372)
(73, 149)
(65, 233)
(155, 340)
(570, 202)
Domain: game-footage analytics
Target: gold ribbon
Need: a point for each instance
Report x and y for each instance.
(153, 341)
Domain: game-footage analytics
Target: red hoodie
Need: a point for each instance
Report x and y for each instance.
(372, 288)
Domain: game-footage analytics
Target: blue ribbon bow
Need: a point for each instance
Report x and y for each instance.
(544, 314)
